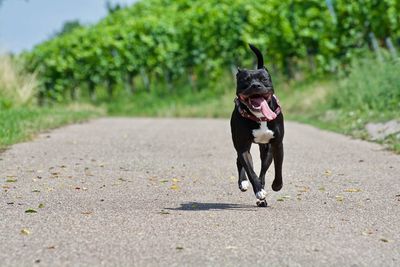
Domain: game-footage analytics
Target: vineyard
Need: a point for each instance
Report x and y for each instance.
(167, 43)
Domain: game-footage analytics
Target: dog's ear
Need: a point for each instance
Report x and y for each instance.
(239, 70)
(260, 59)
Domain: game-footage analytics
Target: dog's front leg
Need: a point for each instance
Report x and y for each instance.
(247, 162)
(266, 160)
(277, 152)
(242, 181)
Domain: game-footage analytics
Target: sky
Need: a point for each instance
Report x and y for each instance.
(25, 23)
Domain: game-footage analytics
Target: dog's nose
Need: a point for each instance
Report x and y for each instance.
(256, 86)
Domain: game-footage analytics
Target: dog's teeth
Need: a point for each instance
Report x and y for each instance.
(261, 194)
(244, 185)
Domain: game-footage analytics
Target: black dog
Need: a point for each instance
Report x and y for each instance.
(257, 118)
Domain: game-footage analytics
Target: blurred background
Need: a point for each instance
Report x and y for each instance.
(334, 63)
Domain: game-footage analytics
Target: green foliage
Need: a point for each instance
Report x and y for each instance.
(214, 103)
(17, 87)
(19, 124)
(173, 42)
(68, 27)
(372, 85)
(370, 92)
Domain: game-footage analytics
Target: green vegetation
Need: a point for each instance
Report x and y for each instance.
(17, 87)
(330, 63)
(369, 93)
(20, 118)
(20, 124)
(169, 44)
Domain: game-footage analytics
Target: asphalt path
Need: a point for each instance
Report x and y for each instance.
(163, 192)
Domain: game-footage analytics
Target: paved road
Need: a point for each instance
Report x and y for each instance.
(162, 192)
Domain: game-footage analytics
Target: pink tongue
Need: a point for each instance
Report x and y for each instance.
(262, 103)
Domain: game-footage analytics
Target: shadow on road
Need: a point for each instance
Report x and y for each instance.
(199, 206)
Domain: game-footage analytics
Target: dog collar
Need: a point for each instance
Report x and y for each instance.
(248, 115)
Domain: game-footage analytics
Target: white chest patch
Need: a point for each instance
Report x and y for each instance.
(263, 134)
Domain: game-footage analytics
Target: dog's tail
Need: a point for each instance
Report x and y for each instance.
(260, 59)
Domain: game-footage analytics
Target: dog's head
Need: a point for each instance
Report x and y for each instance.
(254, 85)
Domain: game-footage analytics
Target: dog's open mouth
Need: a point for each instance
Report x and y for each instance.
(259, 103)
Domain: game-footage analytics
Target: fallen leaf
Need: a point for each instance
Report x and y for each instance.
(352, 190)
(322, 189)
(384, 240)
(367, 232)
(30, 211)
(286, 197)
(179, 248)
(41, 206)
(164, 212)
(87, 212)
(339, 198)
(164, 181)
(328, 173)
(302, 188)
(280, 199)
(25, 231)
(175, 180)
(36, 191)
(11, 180)
(174, 187)
(51, 247)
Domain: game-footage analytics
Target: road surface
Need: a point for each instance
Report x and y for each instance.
(163, 192)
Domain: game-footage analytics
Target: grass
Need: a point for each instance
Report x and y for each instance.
(212, 101)
(20, 118)
(201, 104)
(17, 88)
(22, 123)
(345, 104)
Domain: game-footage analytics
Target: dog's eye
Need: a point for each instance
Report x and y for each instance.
(264, 80)
(246, 78)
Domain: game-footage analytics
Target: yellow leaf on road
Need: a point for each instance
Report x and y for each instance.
(174, 187)
(352, 190)
(25, 231)
(339, 198)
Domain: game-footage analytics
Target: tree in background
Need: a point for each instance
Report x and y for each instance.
(111, 8)
(68, 27)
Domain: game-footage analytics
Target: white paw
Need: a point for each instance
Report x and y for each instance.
(244, 185)
(261, 194)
